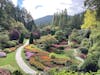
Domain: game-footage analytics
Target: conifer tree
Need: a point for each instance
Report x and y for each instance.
(31, 39)
(21, 39)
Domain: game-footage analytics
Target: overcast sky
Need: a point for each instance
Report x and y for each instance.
(40, 8)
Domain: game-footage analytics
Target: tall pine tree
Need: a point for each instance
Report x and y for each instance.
(21, 39)
(31, 39)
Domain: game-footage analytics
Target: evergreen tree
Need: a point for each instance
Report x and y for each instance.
(76, 21)
(31, 39)
(63, 19)
(55, 20)
(21, 39)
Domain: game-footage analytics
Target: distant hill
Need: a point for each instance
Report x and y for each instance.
(44, 20)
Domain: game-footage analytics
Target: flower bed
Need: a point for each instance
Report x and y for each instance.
(37, 64)
(28, 48)
(42, 60)
(12, 49)
(49, 64)
(29, 54)
(42, 53)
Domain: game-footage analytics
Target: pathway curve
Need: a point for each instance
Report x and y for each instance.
(78, 58)
(21, 62)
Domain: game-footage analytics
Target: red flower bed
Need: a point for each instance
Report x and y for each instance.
(45, 58)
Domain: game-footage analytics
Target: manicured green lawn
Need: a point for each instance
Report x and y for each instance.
(9, 60)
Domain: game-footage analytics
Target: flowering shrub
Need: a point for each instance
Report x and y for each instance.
(14, 34)
(12, 49)
(30, 49)
(46, 41)
(29, 54)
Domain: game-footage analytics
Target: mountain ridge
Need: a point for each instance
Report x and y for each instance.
(44, 20)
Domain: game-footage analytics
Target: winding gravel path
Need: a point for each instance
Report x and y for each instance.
(78, 58)
(21, 62)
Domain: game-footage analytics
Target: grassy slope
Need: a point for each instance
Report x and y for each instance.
(10, 59)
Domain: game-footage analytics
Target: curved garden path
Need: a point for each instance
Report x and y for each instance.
(21, 62)
(78, 58)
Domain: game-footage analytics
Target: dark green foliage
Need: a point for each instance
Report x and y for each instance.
(76, 36)
(10, 15)
(52, 32)
(87, 33)
(55, 20)
(60, 19)
(60, 35)
(85, 43)
(73, 67)
(3, 39)
(13, 21)
(95, 39)
(77, 20)
(21, 39)
(17, 73)
(31, 39)
(84, 50)
(99, 62)
(31, 26)
(9, 44)
(91, 63)
(65, 21)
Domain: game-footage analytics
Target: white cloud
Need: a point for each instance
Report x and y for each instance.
(14, 2)
(40, 8)
(48, 6)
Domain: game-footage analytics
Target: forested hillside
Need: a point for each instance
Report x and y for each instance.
(13, 22)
